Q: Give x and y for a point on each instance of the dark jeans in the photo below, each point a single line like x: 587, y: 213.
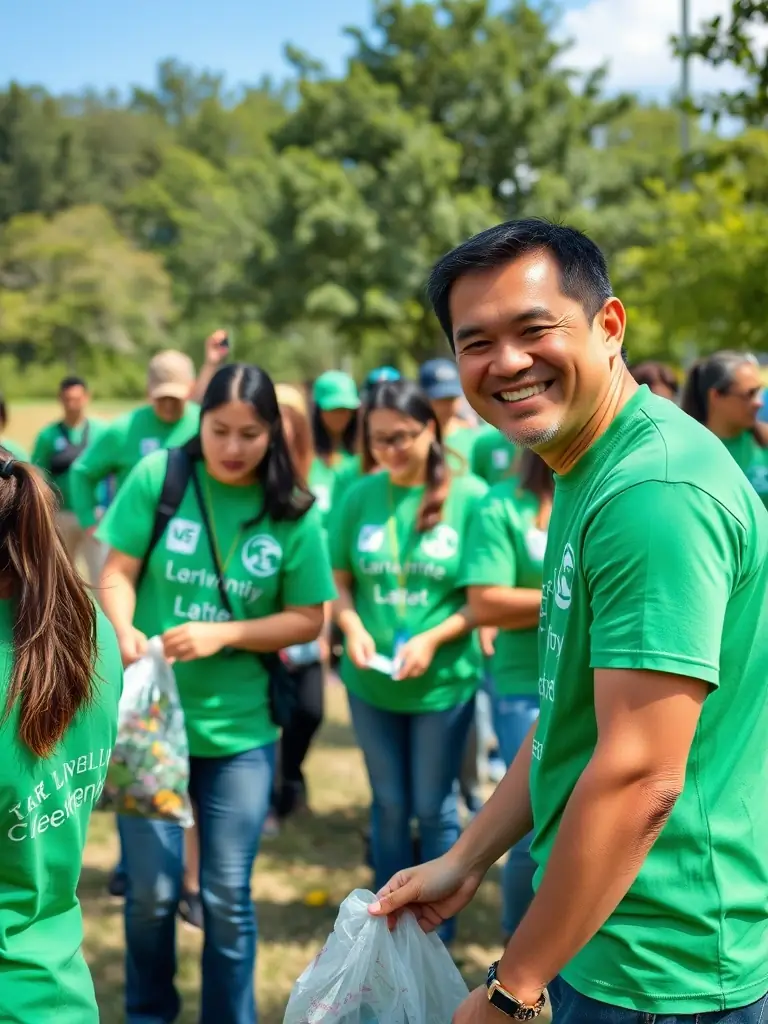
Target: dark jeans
x: 413, y: 763
x: 512, y: 718
x: 569, y: 1007
x: 231, y: 796
x: 290, y: 785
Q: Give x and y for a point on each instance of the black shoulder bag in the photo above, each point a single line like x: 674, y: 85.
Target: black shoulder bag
x: 282, y: 686
x: 61, y: 461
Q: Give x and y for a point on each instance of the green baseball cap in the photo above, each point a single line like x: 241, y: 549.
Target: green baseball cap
x: 335, y: 390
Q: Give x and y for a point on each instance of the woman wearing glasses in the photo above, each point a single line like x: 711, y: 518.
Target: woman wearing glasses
x: 725, y: 393
x: 411, y: 661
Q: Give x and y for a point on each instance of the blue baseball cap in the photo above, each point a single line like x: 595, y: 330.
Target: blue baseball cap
x: 439, y: 378
x: 381, y: 373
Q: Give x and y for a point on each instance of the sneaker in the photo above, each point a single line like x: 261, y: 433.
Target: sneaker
x: 191, y: 909
x: 117, y: 884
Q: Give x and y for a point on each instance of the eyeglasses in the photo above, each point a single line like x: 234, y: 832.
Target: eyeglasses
x: 399, y: 442
x: 747, y: 396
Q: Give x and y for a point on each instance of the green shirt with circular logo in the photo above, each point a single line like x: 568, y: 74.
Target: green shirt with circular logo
x: 494, y: 456
x: 266, y: 566
x: 123, y: 443
x: 45, y: 807
x: 405, y: 583
x: 505, y: 548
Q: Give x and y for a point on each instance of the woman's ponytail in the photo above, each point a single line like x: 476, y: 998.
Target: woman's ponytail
x: 694, y: 400
x: 54, y: 632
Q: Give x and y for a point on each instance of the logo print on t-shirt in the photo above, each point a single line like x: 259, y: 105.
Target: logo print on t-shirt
x: 441, y: 542
x: 500, y: 458
x: 148, y: 445
x: 183, y: 535
x: 758, y: 477
x: 262, y: 555
x: 370, y: 539
x: 536, y: 544
x: 60, y: 444
x: 564, y: 578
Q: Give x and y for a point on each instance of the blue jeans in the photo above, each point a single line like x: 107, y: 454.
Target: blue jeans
x: 569, y: 1007
x: 231, y: 796
x: 413, y: 762
x: 513, y: 717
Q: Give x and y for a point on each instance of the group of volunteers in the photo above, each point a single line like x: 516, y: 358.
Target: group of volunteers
x: 591, y: 558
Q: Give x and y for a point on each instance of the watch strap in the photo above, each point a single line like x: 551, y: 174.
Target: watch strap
x: 509, y: 1004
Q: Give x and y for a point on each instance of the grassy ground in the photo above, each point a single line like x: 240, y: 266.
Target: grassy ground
x: 27, y: 418
x: 321, y: 850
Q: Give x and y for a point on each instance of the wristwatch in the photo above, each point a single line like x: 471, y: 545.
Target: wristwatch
x: 503, y: 1000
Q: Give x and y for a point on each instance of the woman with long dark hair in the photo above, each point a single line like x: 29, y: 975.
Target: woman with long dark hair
x: 239, y: 571
x: 725, y: 392
x: 411, y: 662
x: 503, y: 574
x: 61, y: 678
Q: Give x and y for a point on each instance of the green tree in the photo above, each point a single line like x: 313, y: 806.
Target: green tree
x: 73, y: 287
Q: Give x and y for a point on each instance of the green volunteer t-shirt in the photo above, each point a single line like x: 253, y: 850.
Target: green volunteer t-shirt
x: 123, y: 443
x: 657, y: 560
x: 19, y: 453
x: 459, y: 445
x: 52, y: 439
x: 752, y: 459
x: 266, y: 566
x: 494, y: 456
x: 505, y: 548
x: 372, y: 537
x: 45, y: 807
x: 328, y: 481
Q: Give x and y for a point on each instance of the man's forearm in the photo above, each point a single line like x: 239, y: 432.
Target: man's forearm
x: 608, y: 826
x: 504, y: 820
x: 455, y: 626
x: 506, y: 607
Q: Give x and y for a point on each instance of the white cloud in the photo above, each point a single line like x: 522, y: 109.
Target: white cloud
x: 633, y: 36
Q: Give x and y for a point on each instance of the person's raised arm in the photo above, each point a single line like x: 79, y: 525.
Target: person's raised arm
x: 216, y: 354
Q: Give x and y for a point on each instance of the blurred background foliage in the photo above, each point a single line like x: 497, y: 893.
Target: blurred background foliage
x: 305, y: 216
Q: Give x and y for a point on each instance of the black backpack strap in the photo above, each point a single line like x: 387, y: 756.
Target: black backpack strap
x: 177, y: 475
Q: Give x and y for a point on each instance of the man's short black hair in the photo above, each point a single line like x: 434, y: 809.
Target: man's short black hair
x: 583, y: 270
x: 72, y: 382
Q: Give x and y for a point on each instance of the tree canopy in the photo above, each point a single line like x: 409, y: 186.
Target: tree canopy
x: 305, y: 217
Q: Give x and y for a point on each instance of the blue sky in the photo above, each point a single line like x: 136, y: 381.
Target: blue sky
x: 68, y: 44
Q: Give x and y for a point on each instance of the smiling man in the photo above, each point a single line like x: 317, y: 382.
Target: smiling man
x: 644, y: 778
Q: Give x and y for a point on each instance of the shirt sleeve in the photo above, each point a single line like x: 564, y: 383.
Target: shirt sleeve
x: 88, y: 470
x: 128, y: 522
x: 661, y: 561
x: 307, y: 578
x: 489, y: 558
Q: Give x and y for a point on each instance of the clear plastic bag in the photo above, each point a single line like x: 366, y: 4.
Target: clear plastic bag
x: 148, y: 774
x: 366, y: 974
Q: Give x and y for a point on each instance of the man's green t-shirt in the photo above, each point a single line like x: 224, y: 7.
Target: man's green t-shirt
x: 19, y: 453
x: 52, y: 439
x: 494, y: 456
x: 459, y: 446
x: 505, y: 548
x: 123, y: 443
x: 407, y: 583
x: 657, y: 560
x: 266, y: 566
x: 45, y: 807
x: 752, y: 459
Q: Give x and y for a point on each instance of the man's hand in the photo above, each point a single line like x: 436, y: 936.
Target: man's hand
x: 433, y: 892
x: 215, y: 352
x: 193, y: 640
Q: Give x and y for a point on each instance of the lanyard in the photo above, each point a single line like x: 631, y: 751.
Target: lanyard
x: 223, y: 562
x: 399, y: 554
